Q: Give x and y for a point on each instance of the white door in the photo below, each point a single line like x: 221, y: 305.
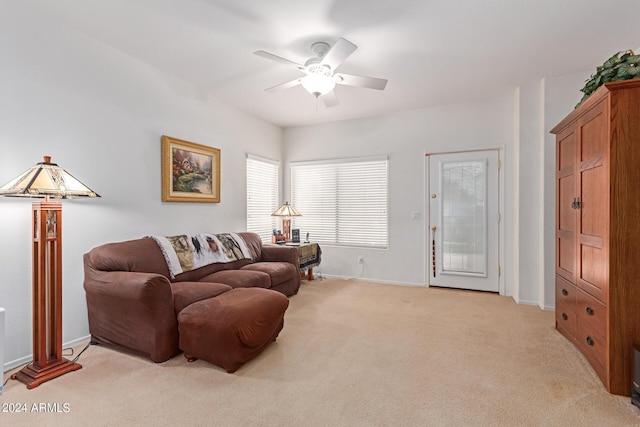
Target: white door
x: 463, y: 220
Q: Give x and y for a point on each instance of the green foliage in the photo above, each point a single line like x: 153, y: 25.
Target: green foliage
x: 621, y: 66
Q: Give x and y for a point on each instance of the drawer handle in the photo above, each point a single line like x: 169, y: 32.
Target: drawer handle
x: 565, y: 292
x: 564, y: 316
x: 590, y: 341
x: 589, y: 311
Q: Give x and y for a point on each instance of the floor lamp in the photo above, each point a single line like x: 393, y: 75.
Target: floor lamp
x: 286, y: 211
x: 46, y: 180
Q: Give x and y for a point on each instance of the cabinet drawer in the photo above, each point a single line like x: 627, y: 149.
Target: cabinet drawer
x: 566, y: 293
x: 566, y: 320
x: 592, y: 313
x: 593, y: 346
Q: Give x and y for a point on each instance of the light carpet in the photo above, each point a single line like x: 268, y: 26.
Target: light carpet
x: 352, y: 354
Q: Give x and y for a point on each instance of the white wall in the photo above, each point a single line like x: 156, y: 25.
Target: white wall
x: 405, y: 138
x: 100, y: 115
x: 519, y: 121
x: 527, y: 182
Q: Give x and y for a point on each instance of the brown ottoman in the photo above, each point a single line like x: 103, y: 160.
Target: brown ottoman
x: 232, y: 328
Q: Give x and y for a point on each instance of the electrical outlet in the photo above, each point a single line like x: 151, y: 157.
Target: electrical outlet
x: 360, y: 260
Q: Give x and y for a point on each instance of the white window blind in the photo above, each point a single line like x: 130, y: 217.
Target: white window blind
x: 262, y: 195
x: 342, y: 202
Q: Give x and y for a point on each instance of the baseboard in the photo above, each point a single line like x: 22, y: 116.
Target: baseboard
x: 366, y: 279
x: 531, y: 302
x: 27, y: 359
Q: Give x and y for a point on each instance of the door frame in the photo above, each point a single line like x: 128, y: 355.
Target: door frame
x: 427, y: 219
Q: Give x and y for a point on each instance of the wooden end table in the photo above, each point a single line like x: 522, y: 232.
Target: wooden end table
x: 308, y: 258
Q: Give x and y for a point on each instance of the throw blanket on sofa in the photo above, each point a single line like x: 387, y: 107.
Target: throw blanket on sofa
x: 191, y: 251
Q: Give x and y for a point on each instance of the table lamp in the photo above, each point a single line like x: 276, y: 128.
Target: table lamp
x: 286, y: 211
x: 46, y: 180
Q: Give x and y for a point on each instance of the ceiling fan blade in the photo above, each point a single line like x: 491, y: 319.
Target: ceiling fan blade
x: 360, y: 81
x: 284, y: 86
x: 338, y: 53
x: 330, y: 99
x: 279, y: 59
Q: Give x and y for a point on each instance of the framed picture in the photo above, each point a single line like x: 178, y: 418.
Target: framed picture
x: 190, y: 172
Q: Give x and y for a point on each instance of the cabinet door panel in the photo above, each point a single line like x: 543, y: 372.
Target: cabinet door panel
x: 593, y: 269
x: 566, y: 256
x: 566, y: 215
x: 593, y: 137
x: 566, y: 196
x: 566, y: 151
x: 593, y: 187
x: 593, y: 214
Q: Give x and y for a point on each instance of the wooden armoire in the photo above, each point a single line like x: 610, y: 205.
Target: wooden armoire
x: 598, y: 230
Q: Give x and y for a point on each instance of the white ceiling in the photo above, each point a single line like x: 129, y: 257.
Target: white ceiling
x: 433, y: 52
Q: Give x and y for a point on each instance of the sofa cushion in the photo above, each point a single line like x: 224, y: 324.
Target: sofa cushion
x: 186, y: 293
x: 279, y: 272
x: 240, y: 278
x: 197, y: 274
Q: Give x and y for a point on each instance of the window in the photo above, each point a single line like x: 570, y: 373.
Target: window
x: 342, y: 202
x: 262, y: 195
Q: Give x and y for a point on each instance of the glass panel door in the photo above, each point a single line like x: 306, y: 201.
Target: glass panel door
x: 463, y: 220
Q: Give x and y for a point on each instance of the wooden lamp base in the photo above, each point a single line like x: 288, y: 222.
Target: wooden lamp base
x: 48, y: 362
x: 33, y: 375
x: 286, y: 229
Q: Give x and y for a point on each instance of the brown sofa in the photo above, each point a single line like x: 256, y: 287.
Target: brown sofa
x: 132, y: 301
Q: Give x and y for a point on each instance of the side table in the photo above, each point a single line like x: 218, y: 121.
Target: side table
x: 309, y: 256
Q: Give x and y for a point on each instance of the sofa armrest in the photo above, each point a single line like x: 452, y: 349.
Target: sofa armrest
x: 281, y: 254
x: 133, y: 310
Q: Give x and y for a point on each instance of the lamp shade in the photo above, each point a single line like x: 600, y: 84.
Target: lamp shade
x: 286, y: 210
x: 46, y: 179
x: 318, y: 84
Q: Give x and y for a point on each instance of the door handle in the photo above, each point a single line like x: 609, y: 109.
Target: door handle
x: 576, y: 203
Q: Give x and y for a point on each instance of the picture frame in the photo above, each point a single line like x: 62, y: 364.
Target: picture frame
x: 190, y: 171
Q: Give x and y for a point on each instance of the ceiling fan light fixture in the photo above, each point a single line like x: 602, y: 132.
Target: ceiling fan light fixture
x: 318, y: 84
x: 319, y: 80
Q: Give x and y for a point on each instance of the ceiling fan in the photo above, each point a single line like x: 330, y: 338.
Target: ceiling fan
x: 320, y: 71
